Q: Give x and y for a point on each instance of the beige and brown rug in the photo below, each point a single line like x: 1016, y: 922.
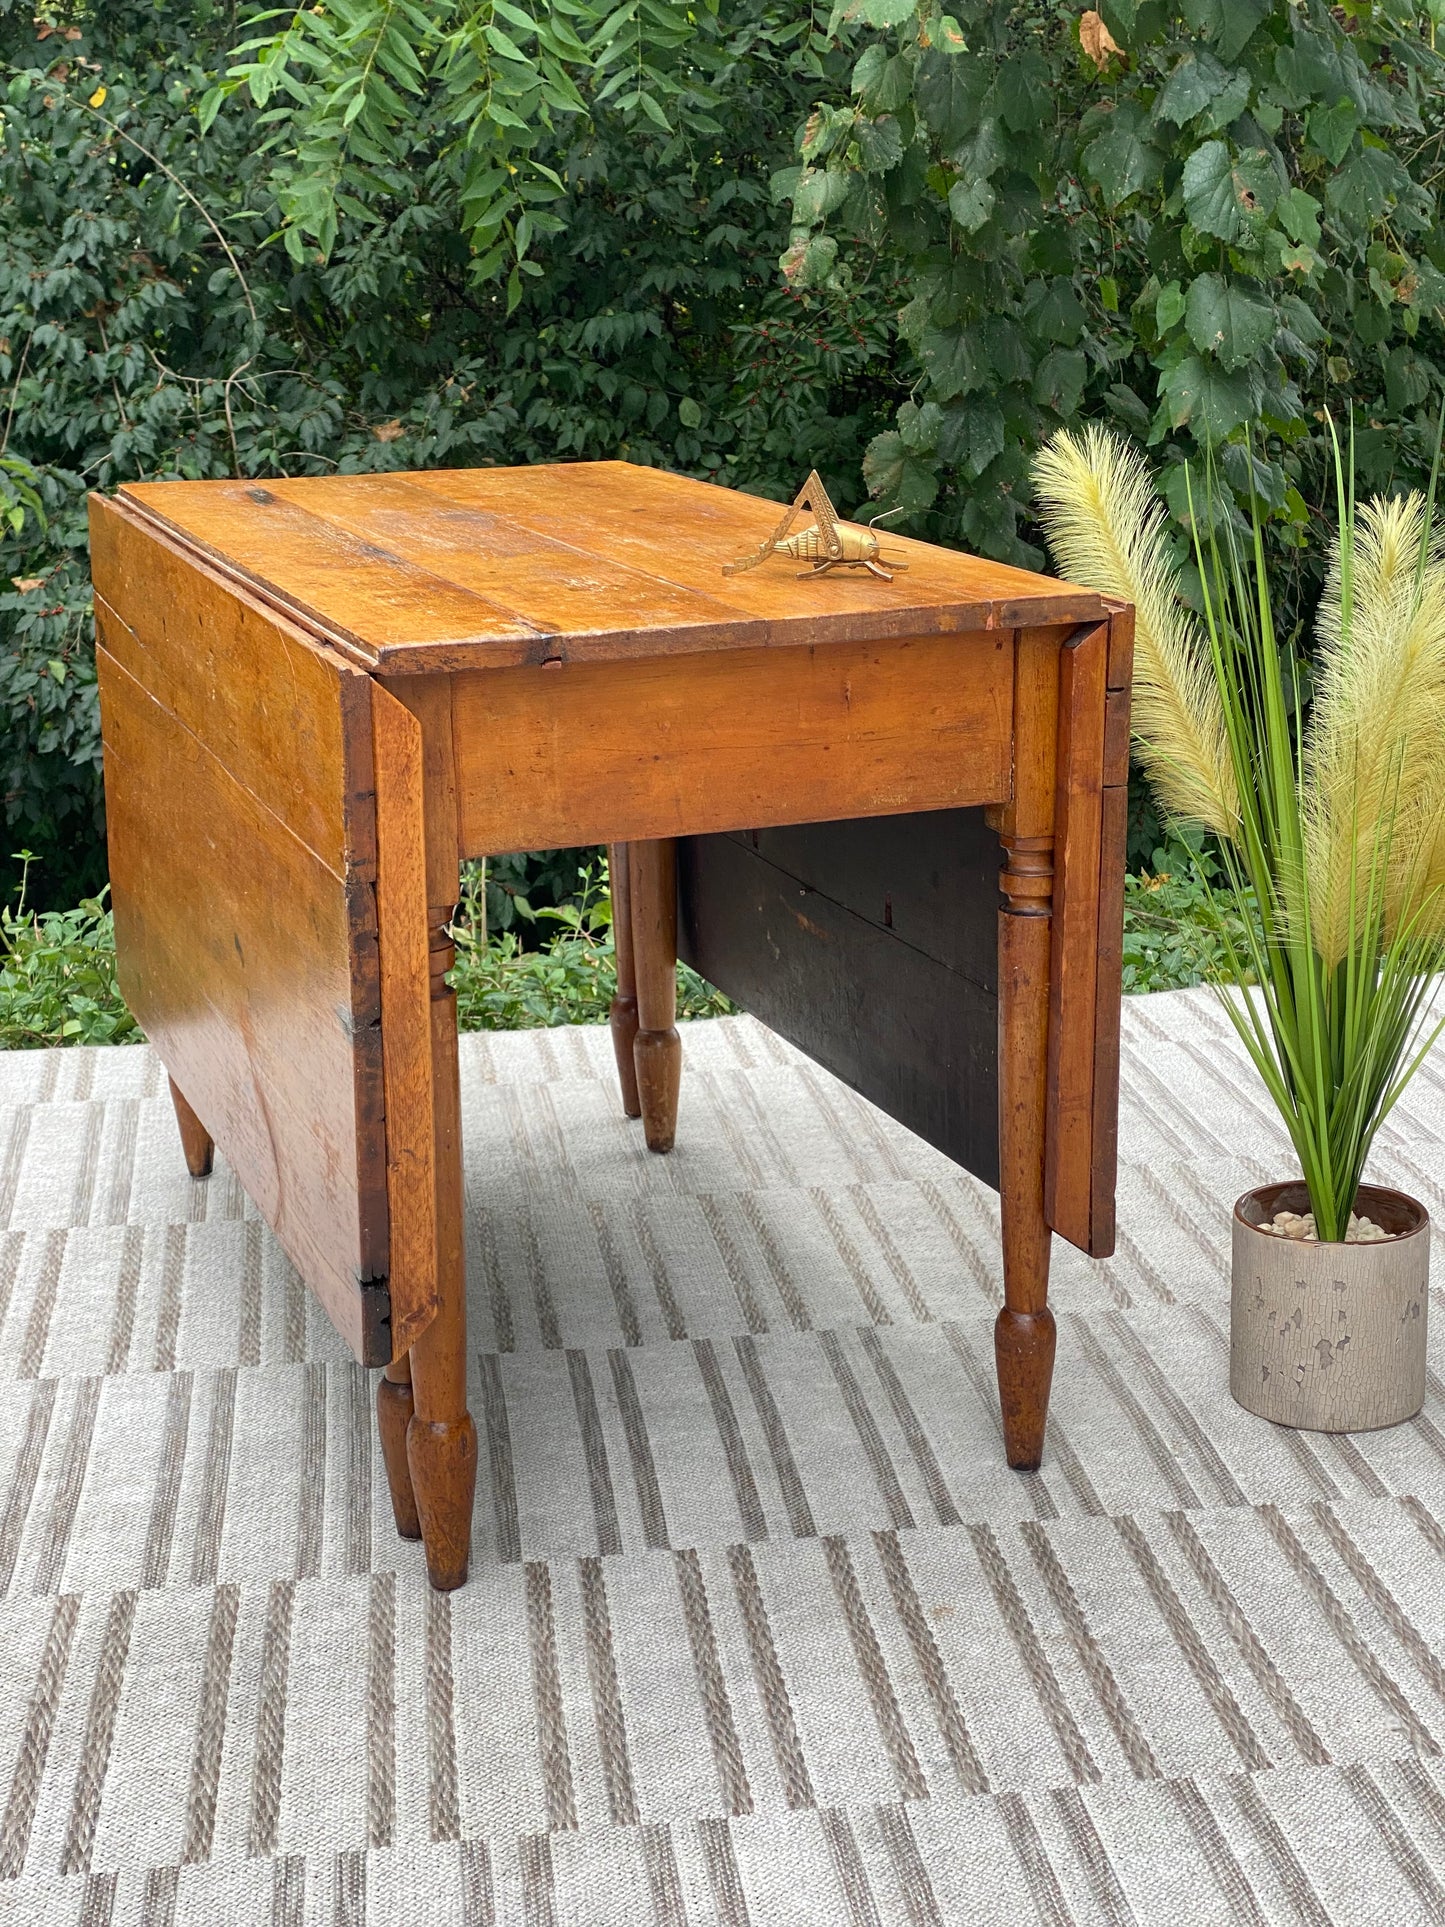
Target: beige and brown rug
x: 760, y: 1629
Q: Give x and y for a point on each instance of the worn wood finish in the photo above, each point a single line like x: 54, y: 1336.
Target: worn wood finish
x: 547, y: 758
x: 657, y: 1048
x: 319, y: 694
x: 269, y: 1026
x: 405, y: 932
x: 871, y: 945
x: 1024, y: 1335
x: 1113, y: 840
x: 394, y: 1409
x: 1073, y: 987
x: 622, y: 1013
x: 196, y: 1140
x: 1024, y: 1330
x: 594, y: 561
x: 290, y: 720
x: 441, y: 1439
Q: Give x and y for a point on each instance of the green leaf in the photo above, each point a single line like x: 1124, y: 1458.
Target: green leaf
x: 972, y: 437
x: 1120, y: 160
x: 1200, y: 84
x: 1298, y: 214
x: 819, y: 192
x: 1169, y: 308
x: 1246, y: 472
x: 883, y: 13
x: 981, y: 154
x: 1206, y: 399
x: 971, y: 203
x: 920, y: 427
x: 1333, y: 128
x: 653, y: 112
x: 809, y: 261
x: 1002, y: 344
x: 1226, y: 24
x: 1121, y: 401
x: 1055, y: 312
x: 1059, y: 383
x: 1022, y: 97
x: 688, y: 413
x: 880, y: 144
x: 506, y: 47
x: 900, y: 478
x: 948, y: 93
x: 1229, y: 198
x: 1366, y: 188
x: 950, y: 363
x: 882, y: 80
x: 783, y: 185
x: 1227, y: 323
x: 1310, y: 69
x: 825, y: 127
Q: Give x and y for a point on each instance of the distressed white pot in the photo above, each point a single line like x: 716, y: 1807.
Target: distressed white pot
x: 1329, y: 1337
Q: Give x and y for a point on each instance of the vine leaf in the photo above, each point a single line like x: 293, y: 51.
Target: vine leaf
x: 1229, y: 198
x: 1227, y: 323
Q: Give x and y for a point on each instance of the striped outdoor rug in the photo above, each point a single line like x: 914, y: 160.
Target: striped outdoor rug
x: 760, y: 1629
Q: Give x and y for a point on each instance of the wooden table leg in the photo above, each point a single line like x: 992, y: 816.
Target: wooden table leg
x: 657, y: 1048
x: 195, y: 1138
x: 623, y: 1013
x: 1024, y: 1334
x: 394, y: 1407
x: 441, y: 1440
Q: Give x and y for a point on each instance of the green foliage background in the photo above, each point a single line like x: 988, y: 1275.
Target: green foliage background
x: 737, y: 238
x: 155, y: 318
x: 1221, y: 216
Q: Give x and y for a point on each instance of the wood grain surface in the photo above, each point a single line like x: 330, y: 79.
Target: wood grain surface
x: 294, y: 722
x: 251, y: 966
x: 404, y: 933
x: 590, y: 561
x: 626, y: 751
x: 241, y: 820
x: 1109, y: 988
x: 1073, y: 975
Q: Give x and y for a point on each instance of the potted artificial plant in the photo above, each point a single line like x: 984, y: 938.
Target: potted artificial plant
x: 1331, y: 834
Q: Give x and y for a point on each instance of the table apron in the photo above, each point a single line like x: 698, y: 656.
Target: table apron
x: 553, y: 756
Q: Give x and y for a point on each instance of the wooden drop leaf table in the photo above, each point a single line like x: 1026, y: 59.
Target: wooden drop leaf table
x: 319, y: 696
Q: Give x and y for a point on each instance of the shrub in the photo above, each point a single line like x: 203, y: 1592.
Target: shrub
x: 152, y: 325
x: 57, y: 976
x: 1188, y: 216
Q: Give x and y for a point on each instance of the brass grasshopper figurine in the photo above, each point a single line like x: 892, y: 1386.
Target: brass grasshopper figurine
x: 827, y: 543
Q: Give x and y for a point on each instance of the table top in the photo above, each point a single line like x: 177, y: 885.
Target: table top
x: 484, y: 568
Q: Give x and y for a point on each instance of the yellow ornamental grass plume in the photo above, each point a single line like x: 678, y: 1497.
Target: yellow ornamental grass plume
x: 1373, y: 790
x: 1105, y: 522
x: 1331, y: 847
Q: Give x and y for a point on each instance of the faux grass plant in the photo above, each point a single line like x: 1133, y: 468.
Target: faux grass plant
x: 1332, y: 833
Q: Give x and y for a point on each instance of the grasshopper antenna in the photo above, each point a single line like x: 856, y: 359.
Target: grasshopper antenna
x: 893, y: 561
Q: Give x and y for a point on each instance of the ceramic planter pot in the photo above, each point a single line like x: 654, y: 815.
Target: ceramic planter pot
x: 1329, y: 1337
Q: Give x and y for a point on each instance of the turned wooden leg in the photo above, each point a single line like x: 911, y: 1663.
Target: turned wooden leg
x: 195, y: 1138
x: 657, y: 1048
x: 623, y: 1014
x: 1024, y: 1334
x: 441, y: 1440
x: 393, y: 1416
